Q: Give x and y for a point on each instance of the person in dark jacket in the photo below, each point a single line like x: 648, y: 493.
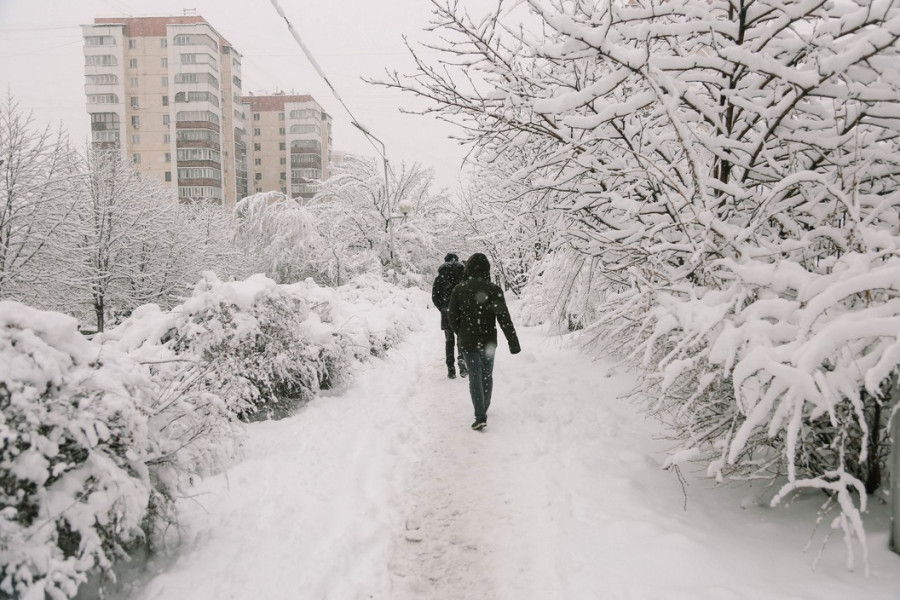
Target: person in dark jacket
x: 449, y: 275
x: 476, y: 306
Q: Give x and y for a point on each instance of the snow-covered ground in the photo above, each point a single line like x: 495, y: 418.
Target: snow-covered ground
x: 382, y: 491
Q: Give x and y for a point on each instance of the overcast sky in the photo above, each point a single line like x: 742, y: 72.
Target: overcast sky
x: 43, y: 65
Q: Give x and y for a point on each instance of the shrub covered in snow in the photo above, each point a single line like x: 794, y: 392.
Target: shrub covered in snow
x: 98, y: 436
x: 74, y: 487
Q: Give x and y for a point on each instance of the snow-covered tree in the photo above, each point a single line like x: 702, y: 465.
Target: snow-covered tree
x: 37, y: 173
x: 278, y: 232
x: 361, y: 225
x: 725, y: 178
x: 119, y: 250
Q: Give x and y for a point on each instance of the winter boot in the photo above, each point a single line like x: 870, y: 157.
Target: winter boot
x: 463, y: 371
x: 451, y: 373
x: 479, y: 425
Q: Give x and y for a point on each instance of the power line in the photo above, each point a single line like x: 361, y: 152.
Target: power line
x: 318, y: 68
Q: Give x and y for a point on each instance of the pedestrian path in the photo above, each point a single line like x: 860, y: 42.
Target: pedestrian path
x: 383, y: 491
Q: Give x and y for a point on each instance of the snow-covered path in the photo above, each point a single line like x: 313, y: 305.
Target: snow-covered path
x: 383, y: 491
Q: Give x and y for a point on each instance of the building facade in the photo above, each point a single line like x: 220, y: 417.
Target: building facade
x: 288, y: 144
x: 167, y: 92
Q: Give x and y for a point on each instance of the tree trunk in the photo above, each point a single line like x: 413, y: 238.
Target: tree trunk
x: 895, y: 471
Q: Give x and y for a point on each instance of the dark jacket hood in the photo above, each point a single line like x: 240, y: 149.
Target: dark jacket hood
x: 478, y: 265
x: 450, y: 267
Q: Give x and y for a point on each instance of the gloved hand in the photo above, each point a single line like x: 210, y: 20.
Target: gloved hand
x: 514, y: 348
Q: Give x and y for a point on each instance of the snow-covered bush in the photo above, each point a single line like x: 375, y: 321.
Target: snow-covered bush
x: 74, y: 488
x: 262, y: 348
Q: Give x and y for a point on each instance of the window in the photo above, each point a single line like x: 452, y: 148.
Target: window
x: 135, y: 102
x: 163, y: 43
x: 257, y: 147
x: 165, y: 81
x: 103, y: 99
x: 281, y: 146
x: 132, y: 63
x: 197, y: 97
x: 282, y: 176
x: 197, y: 115
x: 168, y: 175
x: 136, y: 159
x: 165, y: 119
x: 257, y: 176
x: 168, y: 157
x: 256, y: 131
x: 197, y: 78
x: 105, y: 137
x: 306, y: 129
x: 281, y: 132
x: 104, y: 121
x: 198, y: 154
x: 99, y: 40
x: 306, y: 173
x: 199, y: 191
x: 257, y: 162
x: 306, y: 113
x: 199, y: 173
x: 282, y: 160
x: 165, y: 100
x: 198, y: 59
x: 101, y: 60
x: 256, y: 116
x: 281, y: 116
x: 132, y: 43
x: 133, y: 81
x: 305, y: 188
x: 198, y: 135
x: 164, y: 62
x: 135, y: 139
x: 135, y: 121
x: 167, y: 139
x: 103, y: 79
x: 196, y: 40
x: 307, y: 145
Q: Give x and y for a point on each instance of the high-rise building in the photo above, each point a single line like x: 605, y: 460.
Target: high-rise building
x: 167, y: 91
x: 288, y: 144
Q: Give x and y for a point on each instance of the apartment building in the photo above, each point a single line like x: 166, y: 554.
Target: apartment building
x: 167, y: 91
x: 288, y: 144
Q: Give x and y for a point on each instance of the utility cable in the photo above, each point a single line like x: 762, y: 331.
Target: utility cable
x: 321, y: 73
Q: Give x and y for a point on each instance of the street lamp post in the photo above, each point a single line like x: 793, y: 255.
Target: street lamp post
x: 387, y: 201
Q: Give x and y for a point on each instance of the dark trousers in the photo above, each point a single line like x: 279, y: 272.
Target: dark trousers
x: 450, y: 350
x: 481, y: 381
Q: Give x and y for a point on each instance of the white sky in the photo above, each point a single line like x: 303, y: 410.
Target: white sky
x: 43, y: 65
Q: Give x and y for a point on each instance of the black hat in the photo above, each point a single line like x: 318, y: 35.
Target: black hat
x: 451, y: 257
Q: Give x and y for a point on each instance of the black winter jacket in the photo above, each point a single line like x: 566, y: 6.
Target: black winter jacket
x: 449, y: 274
x: 476, y: 306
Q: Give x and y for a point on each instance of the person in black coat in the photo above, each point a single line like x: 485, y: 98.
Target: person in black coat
x: 449, y: 275
x: 476, y: 307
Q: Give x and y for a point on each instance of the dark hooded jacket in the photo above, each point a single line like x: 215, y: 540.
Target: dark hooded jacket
x: 449, y: 274
x: 476, y: 306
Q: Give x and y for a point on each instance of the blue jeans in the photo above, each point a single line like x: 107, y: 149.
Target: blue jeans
x: 481, y: 380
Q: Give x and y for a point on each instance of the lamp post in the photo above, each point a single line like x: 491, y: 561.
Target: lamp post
x: 387, y: 201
